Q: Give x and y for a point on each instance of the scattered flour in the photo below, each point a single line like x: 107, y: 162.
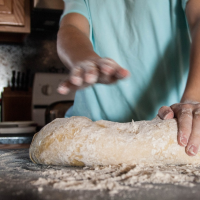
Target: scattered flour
x: 15, y: 168
x: 121, y: 177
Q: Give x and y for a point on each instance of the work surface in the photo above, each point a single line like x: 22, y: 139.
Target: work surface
x: 18, y: 173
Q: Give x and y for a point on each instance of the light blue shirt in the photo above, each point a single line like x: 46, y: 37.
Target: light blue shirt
x: 149, y: 38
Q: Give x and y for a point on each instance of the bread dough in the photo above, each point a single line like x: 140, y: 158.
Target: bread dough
x: 78, y: 141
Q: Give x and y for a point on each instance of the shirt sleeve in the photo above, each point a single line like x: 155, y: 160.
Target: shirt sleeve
x: 75, y: 6
x: 184, y: 3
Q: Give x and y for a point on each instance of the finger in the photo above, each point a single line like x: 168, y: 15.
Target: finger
x: 107, y: 66
x: 194, y: 140
x: 76, y: 76
x: 166, y: 112
x: 106, y: 79
x: 91, y: 72
x: 65, y: 87
x: 184, y: 120
x: 110, y: 67
x: 122, y: 73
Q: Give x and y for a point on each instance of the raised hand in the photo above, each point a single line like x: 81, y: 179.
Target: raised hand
x: 89, y: 72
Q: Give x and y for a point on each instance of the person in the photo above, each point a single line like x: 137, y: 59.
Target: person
x: 128, y: 58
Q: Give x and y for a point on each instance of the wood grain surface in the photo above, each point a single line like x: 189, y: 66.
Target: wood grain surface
x: 14, y: 146
x: 5, y: 6
x: 2, y: 2
x: 19, y: 20
x: 15, y: 14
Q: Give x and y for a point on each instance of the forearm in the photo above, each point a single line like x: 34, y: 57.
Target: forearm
x: 74, y: 46
x: 76, y: 52
x: 192, y: 91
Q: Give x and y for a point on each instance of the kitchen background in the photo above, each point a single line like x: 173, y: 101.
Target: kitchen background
x: 28, y: 34
x: 37, y: 52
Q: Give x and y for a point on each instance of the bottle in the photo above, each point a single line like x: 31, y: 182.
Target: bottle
x: 13, y: 80
x: 18, y: 81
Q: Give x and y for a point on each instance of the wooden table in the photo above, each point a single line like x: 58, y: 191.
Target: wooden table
x: 14, y: 146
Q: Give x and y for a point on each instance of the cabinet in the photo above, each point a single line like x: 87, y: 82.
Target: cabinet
x: 14, y: 20
x: 16, y: 105
x: 49, y: 4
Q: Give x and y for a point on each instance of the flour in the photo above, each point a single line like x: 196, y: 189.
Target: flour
x: 121, y: 177
x: 15, y: 168
x: 148, y: 149
x: 78, y: 141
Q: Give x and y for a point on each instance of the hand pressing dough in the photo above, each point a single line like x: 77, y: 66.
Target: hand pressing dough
x: 77, y: 141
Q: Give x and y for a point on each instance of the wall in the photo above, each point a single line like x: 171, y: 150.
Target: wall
x: 37, y: 54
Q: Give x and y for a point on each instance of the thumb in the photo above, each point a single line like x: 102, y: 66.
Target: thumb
x: 166, y: 112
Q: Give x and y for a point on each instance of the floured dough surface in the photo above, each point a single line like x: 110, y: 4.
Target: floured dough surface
x: 115, y: 178
x: 77, y: 141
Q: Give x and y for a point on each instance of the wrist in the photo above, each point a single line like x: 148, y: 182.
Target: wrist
x: 189, y: 100
x: 89, y: 58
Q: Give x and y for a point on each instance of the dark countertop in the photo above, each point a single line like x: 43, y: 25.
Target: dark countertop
x: 17, y: 172
x: 24, y: 138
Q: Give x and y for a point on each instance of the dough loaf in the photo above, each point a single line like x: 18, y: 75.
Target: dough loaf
x: 77, y: 141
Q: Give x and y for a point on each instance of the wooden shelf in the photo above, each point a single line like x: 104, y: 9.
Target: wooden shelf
x: 14, y: 20
x: 6, y: 7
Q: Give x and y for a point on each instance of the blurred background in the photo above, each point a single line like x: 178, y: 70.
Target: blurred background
x: 33, y: 49
x: 30, y: 69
